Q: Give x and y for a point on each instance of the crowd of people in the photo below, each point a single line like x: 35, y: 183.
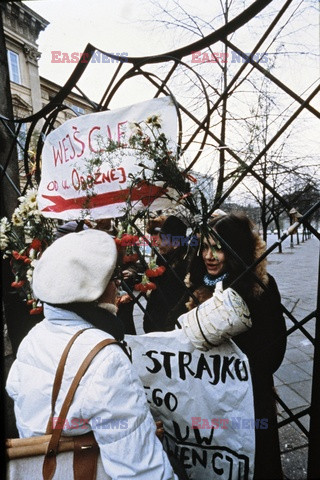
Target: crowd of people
x: 77, y: 278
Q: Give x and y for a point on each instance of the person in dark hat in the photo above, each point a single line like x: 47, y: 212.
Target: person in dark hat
x: 170, y: 241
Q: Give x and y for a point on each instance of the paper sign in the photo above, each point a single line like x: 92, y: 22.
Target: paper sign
x: 63, y: 191
x: 205, y: 401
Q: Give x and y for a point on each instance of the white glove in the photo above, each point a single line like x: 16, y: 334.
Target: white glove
x: 223, y: 316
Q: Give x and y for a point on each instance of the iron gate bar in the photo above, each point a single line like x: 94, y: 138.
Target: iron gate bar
x: 297, y: 324
x: 306, y: 319
x: 5, y: 174
x: 275, y: 80
x: 288, y: 420
x: 265, y: 149
x: 242, y: 68
x: 291, y: 415
x: 314, y: 437
x: 136, y: 299
x: 167, y: 78
x: 92, y: 103
x: 5, y: 122
x: 110, y: 85
x: 262, y: 257
x: 149, y: 76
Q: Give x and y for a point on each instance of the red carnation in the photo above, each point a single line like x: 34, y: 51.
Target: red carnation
x: 133, y: 257
x: 36, y: 311
x: 36, y: 244
x: 145, y: 285
x: 18, y: 284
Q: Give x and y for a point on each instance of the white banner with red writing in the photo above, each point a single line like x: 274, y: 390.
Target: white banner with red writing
x: 68, y: 164
x: 205, y: 401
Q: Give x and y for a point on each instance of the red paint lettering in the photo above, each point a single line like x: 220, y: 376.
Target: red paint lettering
x: 71, y: 144
x: 121, y: 133
x: 106, y: 177
x: 109, y: 132
x: 124, y: 178
x: 97, y: 175
x: 90, y: 181
x: 89, y: 137
x: 57, y: 154
x: 79, y: 141
x: 65, y: 149
x: 113, y: 175
x: 52, y: 186
x: 75, y: 180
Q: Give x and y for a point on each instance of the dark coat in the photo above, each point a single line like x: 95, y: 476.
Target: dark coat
x: 161, y: 311
x: 265, y: 345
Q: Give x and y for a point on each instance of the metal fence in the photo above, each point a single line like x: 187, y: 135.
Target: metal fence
x: 160, y: 72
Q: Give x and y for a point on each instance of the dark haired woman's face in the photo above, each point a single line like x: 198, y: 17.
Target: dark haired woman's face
x: 213, y: 257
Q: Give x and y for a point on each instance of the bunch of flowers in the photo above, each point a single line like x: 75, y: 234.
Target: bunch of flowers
x: 160, y: 166
x: 23, y: 239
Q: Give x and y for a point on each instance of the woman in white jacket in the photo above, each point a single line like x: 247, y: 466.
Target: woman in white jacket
x: 74, y: 279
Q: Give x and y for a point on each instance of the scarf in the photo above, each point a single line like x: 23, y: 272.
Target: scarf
x: 211, y: 281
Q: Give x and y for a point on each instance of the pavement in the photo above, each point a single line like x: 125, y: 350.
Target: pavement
x: 296, y: 273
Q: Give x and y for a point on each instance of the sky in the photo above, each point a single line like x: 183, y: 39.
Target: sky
x: 112, y: 26
x: 117, y: 27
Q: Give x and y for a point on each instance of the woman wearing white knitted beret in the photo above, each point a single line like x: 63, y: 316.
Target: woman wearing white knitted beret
x: 75, y: 280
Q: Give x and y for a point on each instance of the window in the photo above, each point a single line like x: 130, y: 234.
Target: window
x: 14, y: 68
x: 21, y: 140
x: 77, y: 110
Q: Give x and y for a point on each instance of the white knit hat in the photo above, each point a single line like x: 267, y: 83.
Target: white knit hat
x: 75, y: 268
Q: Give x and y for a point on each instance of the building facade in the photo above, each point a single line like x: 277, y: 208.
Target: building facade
x: 29, y: 91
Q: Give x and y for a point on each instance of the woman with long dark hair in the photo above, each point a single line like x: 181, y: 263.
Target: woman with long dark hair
x: 230, y: 246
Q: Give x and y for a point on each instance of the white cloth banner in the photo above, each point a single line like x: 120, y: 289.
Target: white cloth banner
x: 68, y: 168
x: 205, y: 401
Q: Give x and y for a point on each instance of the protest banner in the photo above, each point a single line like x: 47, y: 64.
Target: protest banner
x: 69, y: 171
x: 205, y: 401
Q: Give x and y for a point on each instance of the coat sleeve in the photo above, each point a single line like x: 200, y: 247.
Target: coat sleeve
x: 116, y: 408
x: 265, y: 343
